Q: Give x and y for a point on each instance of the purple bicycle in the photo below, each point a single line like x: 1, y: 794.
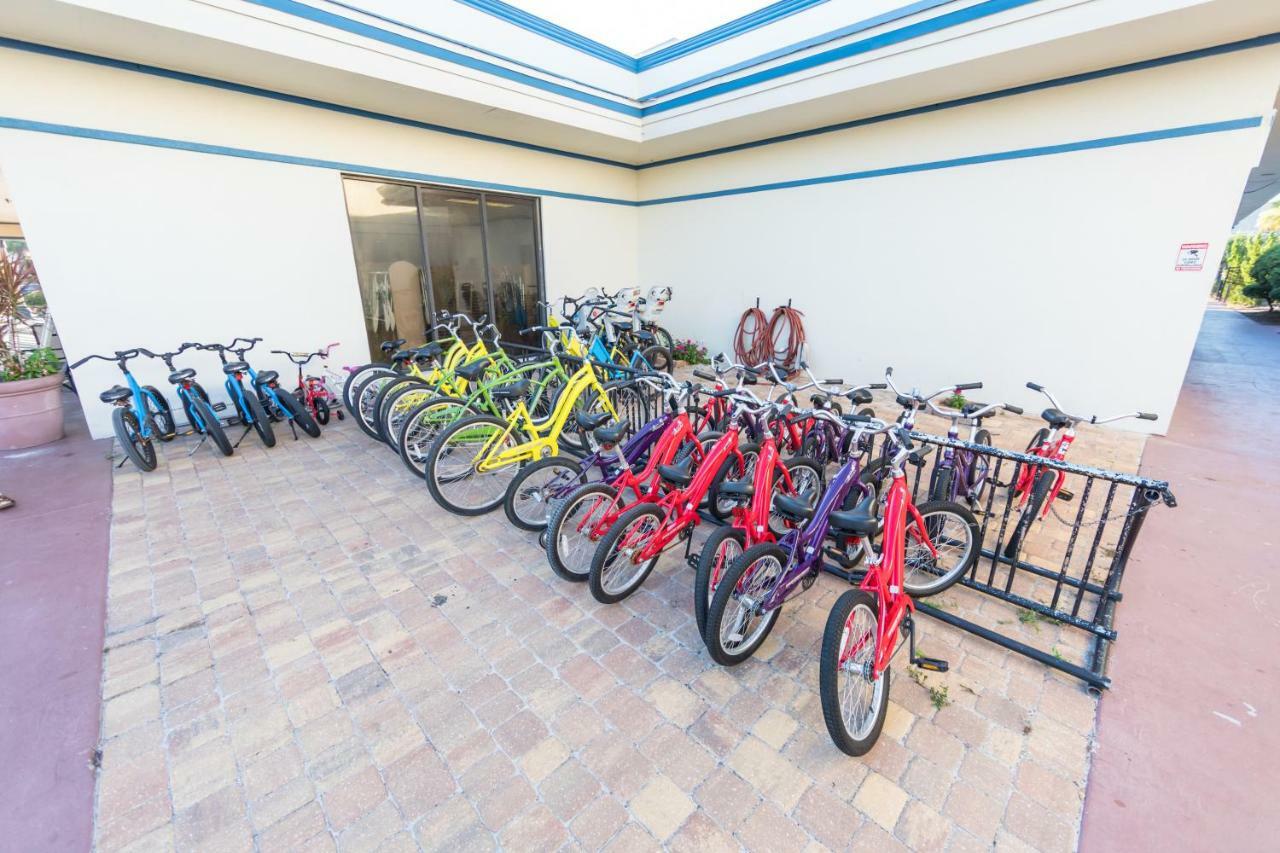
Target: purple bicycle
x: 756, y: 585
x: 961, y: 474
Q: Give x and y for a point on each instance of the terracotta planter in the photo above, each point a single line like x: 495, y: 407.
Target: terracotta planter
x: 30, y: 412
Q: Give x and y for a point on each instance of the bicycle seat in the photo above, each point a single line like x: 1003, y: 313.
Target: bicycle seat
x: 1056, y: 418
x: 861, y: 396
x: 588, y: 421
x: 114, y: 393
x: 391, y: 346
x: 680, y: 474
x: 646, y: 337
x: 737, y: 490
x: 858, y: 521
x: 511, y: 391
x: 611, y: 434
x: 970, y: 408
x: 401, y: 357
x: 473, y: 371
x: 180, y: 376
x: 266, y: 377
x: 235, y: 367
x: 431, y: 350
x: 793, y: 508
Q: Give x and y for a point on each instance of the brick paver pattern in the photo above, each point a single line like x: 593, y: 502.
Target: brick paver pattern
x: 304, y: 652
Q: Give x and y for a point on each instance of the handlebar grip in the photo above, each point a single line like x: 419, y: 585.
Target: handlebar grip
x: 833, y: 382
x: 888, y: 371
x: 857, y: 419
x: 904, y: 438
x: 1034, y: 387
x: 702, y: 374
x: 1017, y: 410
x: 750, y: 370
x: 878, y: 386
x: 969, y: 386
x: 1147, y: 416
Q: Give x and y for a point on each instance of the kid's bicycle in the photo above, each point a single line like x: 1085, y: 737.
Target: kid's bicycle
x: 863, y: 629
x: 248, y: 406
x: 1036, y: 487
x: 140, y: 413
x: 200, y: 413
x: 960, y: 474
x: 278, y: 403
x: 313, y: 391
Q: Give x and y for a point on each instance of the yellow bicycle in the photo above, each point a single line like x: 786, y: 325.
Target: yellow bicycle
x: 471, y: 461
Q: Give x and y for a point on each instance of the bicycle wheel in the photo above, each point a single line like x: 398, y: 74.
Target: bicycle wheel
x: 571, y: 537
x: 451, y: 472
x: 806, y: 476
x: 299, y: 414
x: 1039, y: 493
x: 735, y: 625
x: 659, y: 358
x: 421, y: 427
x: 258, y: 420
x: 979, y: 468
x: 157, y: 405
x: 661, y: 336
x: 537, y: 487
x: 186, y: 404
x: 731, y: 470
x: 853, y: 700
x: 141, y: 451
x: 385, y: 394
x: 953, y: 532
x: 397, y: 408
x: 722, y: 547
x: 212, y: 427
x: 366, y: 397
x: 322, y: 412
x: 940, y: 484
x: 615, y: 573
x: 358, y: 377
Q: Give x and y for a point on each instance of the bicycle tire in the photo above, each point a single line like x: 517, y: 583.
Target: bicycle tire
x: 1039, y: 491
x: 717, y: 554
x: 940, y: 484
x: 434, y: 473
x: 557, y: 541
x: 397, y: 407
x: 321, y: 412
x: 357, y: 377
x: 714, y: 634
x: 829, y: 669
x: 948, y: 578
x: 659, y: 358
x: 364, y: 397
x: 141, y: 451
x: 423, y: 425
x: 382, y: 400
x: 602, y: 590
x: 213, y: 427
x: 258, y: 418
x: 166, y: 426
x: 722, y: 509
x: 529, y: 507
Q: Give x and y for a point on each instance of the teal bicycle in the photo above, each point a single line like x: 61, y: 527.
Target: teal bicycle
x: 140, y: 413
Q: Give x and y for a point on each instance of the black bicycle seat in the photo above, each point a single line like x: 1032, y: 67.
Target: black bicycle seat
x: 391, y: 346
x: 611, y: 434
x: 1056, y: 418
x: 431, y: 350
x: 114, y: 393
x: 180, y: 376
x: 235, y: 367
x: 737, y: 490
x: 680, y: 474
x: 512, y: 390
x: 859, y: 520
x: 266, y: 377
x: 588, y: 421
x: 473, y: 371
x: 401, y: 357
x: 793, y: 508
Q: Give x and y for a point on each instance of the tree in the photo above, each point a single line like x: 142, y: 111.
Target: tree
x: 1269, y: 219
x: 1265, y: 273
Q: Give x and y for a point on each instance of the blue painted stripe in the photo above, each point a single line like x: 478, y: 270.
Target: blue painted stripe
x: 956, y: 162
x: 413, y: 28
x: 250, y: 154
x: 911, y: 31
x: 554, y: 32
x: 834, y: 35
x: 225, y: 85
x: 732, y: 29
x: 1072, y: 79
x: 300, y: 10
x: 423, y: 177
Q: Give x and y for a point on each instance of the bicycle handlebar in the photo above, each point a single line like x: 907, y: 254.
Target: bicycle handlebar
x: 1092, y: 419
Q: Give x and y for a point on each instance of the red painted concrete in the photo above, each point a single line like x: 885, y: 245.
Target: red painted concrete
x: 53, y: 582
x: 1189, y: 749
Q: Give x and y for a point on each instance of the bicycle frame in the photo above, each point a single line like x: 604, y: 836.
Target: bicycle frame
x: 138, y: 402
x: 1054, y: 447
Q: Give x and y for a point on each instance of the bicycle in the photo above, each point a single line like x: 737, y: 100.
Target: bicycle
x: 200, y: 413
x: 470, y: 462
x: 278, y: 404
x: 1036, y: 487
x: 139, y: 414
x: 861, y: 634
x: 578, y: 522
x: 627, y: 554
x: 961, y: 474
x: 248, y: 406
x: 357, y: 376
x: 313, y: 391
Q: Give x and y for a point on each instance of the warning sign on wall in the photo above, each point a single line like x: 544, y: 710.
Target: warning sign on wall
x: 1191, y: 257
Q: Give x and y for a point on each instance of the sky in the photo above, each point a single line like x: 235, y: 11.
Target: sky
x: 637, y: 27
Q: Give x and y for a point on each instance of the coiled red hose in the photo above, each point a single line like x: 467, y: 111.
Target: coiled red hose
x: 751, y: 340
x: 786, y: 336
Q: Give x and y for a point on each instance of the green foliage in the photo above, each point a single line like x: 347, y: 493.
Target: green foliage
x: 36, y: 364
x: 955, y: 401
x: 691, y: 351
x: 1265, y: 272
x: 1236, y: 273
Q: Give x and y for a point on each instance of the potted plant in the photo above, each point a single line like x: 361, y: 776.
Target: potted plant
x: 31, y: 381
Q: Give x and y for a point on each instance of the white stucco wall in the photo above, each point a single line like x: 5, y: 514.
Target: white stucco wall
x: 1057, y: 269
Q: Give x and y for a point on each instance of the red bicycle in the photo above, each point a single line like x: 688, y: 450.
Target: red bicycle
x: 861, y: 635
x: 628, y: 552
x: 313, y: 391
x: 1036, y: 487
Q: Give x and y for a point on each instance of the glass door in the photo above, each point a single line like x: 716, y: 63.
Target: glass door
x: 453, y: 225
x: 511, y: 231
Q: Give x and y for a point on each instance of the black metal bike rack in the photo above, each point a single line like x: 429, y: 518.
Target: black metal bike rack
x: 1082, y: 592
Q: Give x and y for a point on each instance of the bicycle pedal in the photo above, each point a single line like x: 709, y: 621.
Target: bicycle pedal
x: 839, y: 557
x: 1064, y: 494
x: 219, y: 407
x: 930, y: 664
x: 692, y: 560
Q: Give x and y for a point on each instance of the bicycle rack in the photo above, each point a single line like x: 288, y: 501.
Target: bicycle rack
x: 1083, y: 591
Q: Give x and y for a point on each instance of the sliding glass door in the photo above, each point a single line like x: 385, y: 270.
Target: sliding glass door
x: 481, y: 257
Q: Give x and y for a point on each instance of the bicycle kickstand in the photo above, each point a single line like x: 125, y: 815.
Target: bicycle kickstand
x: 199, y: 444
x: 247, y: 428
